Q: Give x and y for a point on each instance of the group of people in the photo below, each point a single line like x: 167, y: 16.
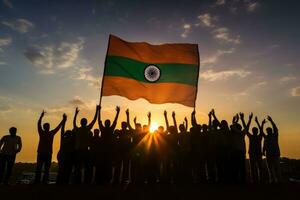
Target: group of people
x: 205, y: 153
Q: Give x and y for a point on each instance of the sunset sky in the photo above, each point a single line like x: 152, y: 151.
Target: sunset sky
x: 52, y: 57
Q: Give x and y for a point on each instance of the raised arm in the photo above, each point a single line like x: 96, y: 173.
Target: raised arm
x: 149, y: 119
x: 209, y: 121
x: 40, y: 129
x: 193, y: 119
x: 214, y: 116
x: 275, y: 129
x: 62, y: 130
x: 99, y: 119
x: 128, y: 120
x: 246, y: 126
x: 166, y: 120
x: 54, y: 131
x: 90, y: 126
x: 113, y: 126
x: 261, y: 126
x: 75, y: 118
x: 174, y: 121
x: 186, y: 124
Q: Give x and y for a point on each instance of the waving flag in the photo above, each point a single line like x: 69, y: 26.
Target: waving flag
x: 166, y: 73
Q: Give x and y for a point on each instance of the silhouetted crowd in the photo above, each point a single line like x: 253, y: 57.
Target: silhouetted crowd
x: 205, y: 153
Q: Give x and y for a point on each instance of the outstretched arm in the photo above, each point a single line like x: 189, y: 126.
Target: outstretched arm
x: 62, y: 130
x: 186, y: 124
x: 214, y: 115
x: 209, y: 121
x: 174, y: 121
x: 166, y: 120
x: 113, y: 126
x: 260, y: 126
x: 40, y: 129
x: 193, y: 119
x: 75, y: 118
x: 275, y: 129
x: 54, y: 131
x: 128, y: 120
x: 149, y: 119
x: 90, y: 126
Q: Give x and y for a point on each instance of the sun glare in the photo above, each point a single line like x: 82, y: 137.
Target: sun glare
x: 153, y: 127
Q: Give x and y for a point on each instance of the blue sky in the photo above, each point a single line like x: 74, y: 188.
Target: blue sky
x: 52, y: 55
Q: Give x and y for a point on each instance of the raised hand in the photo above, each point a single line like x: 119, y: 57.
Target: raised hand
x: 251, y: 116
x: 256, y: 119
x: 185, y: 119
x: 64, y: 116
x: 269, y: 118
x: 77, y: 110
x: 127, y: 111
x: 43, y: 113
x: 165, y: 113
x: 264, y: 121
x: 134, y: 120
x: 173, y: 114
x: 118, y: 109
x: 242, y: 115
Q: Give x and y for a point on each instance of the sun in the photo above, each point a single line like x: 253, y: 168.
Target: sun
x: 153, y: 127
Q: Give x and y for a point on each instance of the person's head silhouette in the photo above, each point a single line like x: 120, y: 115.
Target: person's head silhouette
x: 182, y: 128
x: 138, y: 127
x: 13, y: 131
x: 215, y: 124
x: 172, y: 130
x: 269, y: 131
x: 83, y: 122
x: 46, y: 127
x: 160, y: 129
x: 107, y: 123
x: 123, y: 125
x: 223, y: 124
x: 68, y: 133
x: 96, y: 132
x: 255, y: 131
x: 145, y: 128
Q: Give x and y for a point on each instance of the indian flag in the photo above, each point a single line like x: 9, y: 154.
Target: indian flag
x: 166, y: 73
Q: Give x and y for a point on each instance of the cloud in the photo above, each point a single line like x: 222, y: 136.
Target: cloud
x: 211, y: 75
x: 7, y: 3
x: 286, y: 79
x: 220, y: 2
x: 84, y: 73
x: 252, y: 6
x: 223, y: 35
x: 295, y: 92
x: 20, y: 25
x: 76, y: 101
x: 49, y: 58
x: 186, y: 30
x: 210, y: 60
x: 3, y: 63
x: 207, y: 20
x: 5, y: 41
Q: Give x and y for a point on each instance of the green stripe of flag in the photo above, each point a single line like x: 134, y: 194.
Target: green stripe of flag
x: 170, y: 72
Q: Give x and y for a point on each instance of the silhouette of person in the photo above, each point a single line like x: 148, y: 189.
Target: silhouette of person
x: 10, y: 145
x: 272, y: 152
x: 96, y: 150
x: 83, y: 139
x: 137, y: 152
x: 172, y: 140
x: 116, y: 157
x: 255, y: 151
x: 212, y: 146
x: 239, y: 147
x: 65, y: 156
x: 107, y: 137
x: 184, y: 173
x: 199, y: 146
x: 44, y: 151
x: 162, y: 154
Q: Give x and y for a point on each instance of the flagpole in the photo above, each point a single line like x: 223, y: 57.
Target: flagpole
x: 197, y: 77
x: 103, y: 74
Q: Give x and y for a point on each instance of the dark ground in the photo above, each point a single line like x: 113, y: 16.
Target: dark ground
x: 153, y: 192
